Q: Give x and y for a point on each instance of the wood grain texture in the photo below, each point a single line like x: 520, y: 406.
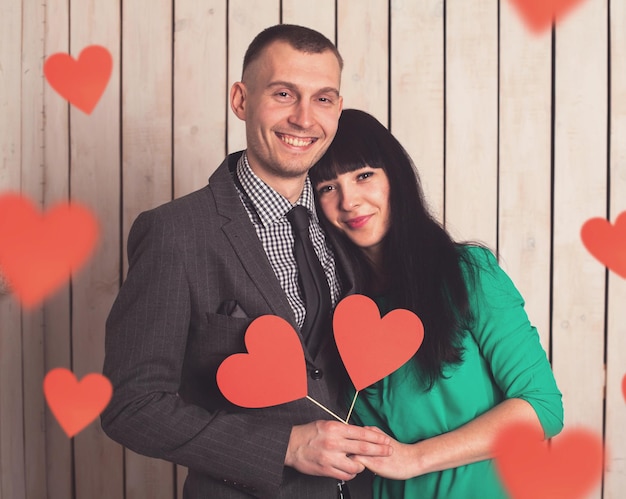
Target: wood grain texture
x: 57, y: 308
x: 200, y: 92
x: 524, y: 236
x: 472, y: 120
x: 363, y: 41
x: 615, y: 429
x: 12, y: 472
x: 580, y: 193
x: 33, y: 186
x: 146, y: 166
x: 319, y: 15
x: 246, y: 18
x: 95, y: 182
x: 417, y: 91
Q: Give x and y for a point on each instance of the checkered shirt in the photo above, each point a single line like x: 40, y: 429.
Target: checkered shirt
x: 267, y: 210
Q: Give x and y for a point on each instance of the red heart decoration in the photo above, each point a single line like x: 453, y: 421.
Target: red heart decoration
x: 39, y: 252
x: 540, y: 14
x: 75, y: 404
x: 274, y: 370
x: 82, y: 82
x: 370, y: 347
x: 529, y: 468
x: 607, y: 242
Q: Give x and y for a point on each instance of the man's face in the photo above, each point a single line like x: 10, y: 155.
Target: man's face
x: 291, y: 104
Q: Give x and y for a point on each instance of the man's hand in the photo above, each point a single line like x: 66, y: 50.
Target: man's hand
x: 323, y: 448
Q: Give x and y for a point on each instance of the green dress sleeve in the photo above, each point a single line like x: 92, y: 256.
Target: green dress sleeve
x: 508, y: 341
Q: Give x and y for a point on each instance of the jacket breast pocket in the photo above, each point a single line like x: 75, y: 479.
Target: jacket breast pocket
x: 209, y: 344
x: 225, y: 334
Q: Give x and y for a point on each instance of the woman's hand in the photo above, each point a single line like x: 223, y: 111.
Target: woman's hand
x: 467, y: 444
x: 402, y: 464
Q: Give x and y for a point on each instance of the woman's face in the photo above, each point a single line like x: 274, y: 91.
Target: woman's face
x: 357, y: 203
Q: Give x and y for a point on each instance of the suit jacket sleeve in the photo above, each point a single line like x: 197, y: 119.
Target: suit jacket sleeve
x: 146, y: 341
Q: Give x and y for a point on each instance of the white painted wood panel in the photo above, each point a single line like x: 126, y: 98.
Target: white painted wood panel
x: 525, y: 228
x: 580, y: 193
x: 472, y: 120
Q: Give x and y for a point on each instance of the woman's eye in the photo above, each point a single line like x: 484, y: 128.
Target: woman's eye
x: 324, y: 189
x: 364, y: 175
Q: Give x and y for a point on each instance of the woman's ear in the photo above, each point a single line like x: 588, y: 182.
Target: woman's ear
x: 238, y: 100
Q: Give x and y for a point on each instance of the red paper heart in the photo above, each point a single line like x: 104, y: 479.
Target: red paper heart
x: 82, y: 82
x: 274, y: 370
x: 607, y: 242
x: 370, y: 347
x: 39, y: 252
x: 540, y: 14
x: 75, y: 403
x: 568, y: 468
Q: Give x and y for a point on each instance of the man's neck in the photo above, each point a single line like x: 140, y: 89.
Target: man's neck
x: 288, y: 187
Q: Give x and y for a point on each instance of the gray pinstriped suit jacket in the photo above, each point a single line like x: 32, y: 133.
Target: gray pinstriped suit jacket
x: 165, y: 340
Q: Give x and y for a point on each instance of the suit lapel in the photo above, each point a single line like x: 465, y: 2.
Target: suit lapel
x: 242, y: 236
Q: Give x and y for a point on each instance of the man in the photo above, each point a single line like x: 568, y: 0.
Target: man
x: 202, y: 267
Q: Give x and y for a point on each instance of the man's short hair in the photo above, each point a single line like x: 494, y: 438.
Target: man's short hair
x: 299, y: 37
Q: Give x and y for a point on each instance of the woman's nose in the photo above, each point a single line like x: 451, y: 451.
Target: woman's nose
x: 349, y: 198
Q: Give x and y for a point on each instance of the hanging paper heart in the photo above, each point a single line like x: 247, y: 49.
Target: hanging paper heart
x: 568, y: 468
x: 82, y: 82
x: 370, y: 347
x: 272, y: 372
x: 75, y: 403
x: 607, y: 242
x: 39, y: 252
x: 540, y: 14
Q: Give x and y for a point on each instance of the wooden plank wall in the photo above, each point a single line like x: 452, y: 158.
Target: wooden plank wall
x: 518, y: 139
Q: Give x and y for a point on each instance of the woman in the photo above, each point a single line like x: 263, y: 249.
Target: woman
x: 481, y: 364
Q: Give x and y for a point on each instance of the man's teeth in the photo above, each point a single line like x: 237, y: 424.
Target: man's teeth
x: 294, y: 141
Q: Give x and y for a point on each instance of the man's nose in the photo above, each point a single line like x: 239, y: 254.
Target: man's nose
x: 302, y: 115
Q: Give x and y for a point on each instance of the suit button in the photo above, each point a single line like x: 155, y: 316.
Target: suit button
x: 317, y: 374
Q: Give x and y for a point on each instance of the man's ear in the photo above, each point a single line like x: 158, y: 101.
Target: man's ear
x: 238, y: 100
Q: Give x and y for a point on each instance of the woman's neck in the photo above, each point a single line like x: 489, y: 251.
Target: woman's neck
x: 378, y: 282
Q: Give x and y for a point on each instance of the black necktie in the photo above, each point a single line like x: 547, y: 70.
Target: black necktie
x: 313, y: 281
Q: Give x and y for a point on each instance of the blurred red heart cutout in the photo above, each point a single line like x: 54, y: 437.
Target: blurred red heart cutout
x: 370, y: 347
x: 75, y: 403
x: 540, y: 14
x: 273, y: 371
x: 82, y: 81
x: 39, y: 252
x: 606, y: 242
x: 568, y: 467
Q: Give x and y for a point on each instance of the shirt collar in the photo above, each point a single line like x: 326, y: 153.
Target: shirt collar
x: 269, y: 205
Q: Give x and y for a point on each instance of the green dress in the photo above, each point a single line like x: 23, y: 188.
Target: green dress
x: 502, y: 359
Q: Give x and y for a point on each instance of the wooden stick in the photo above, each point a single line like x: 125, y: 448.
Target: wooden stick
x: 327, y: 410
x: 352, y: 406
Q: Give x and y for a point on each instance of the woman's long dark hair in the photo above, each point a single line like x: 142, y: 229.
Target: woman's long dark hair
x: 422, y: 262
